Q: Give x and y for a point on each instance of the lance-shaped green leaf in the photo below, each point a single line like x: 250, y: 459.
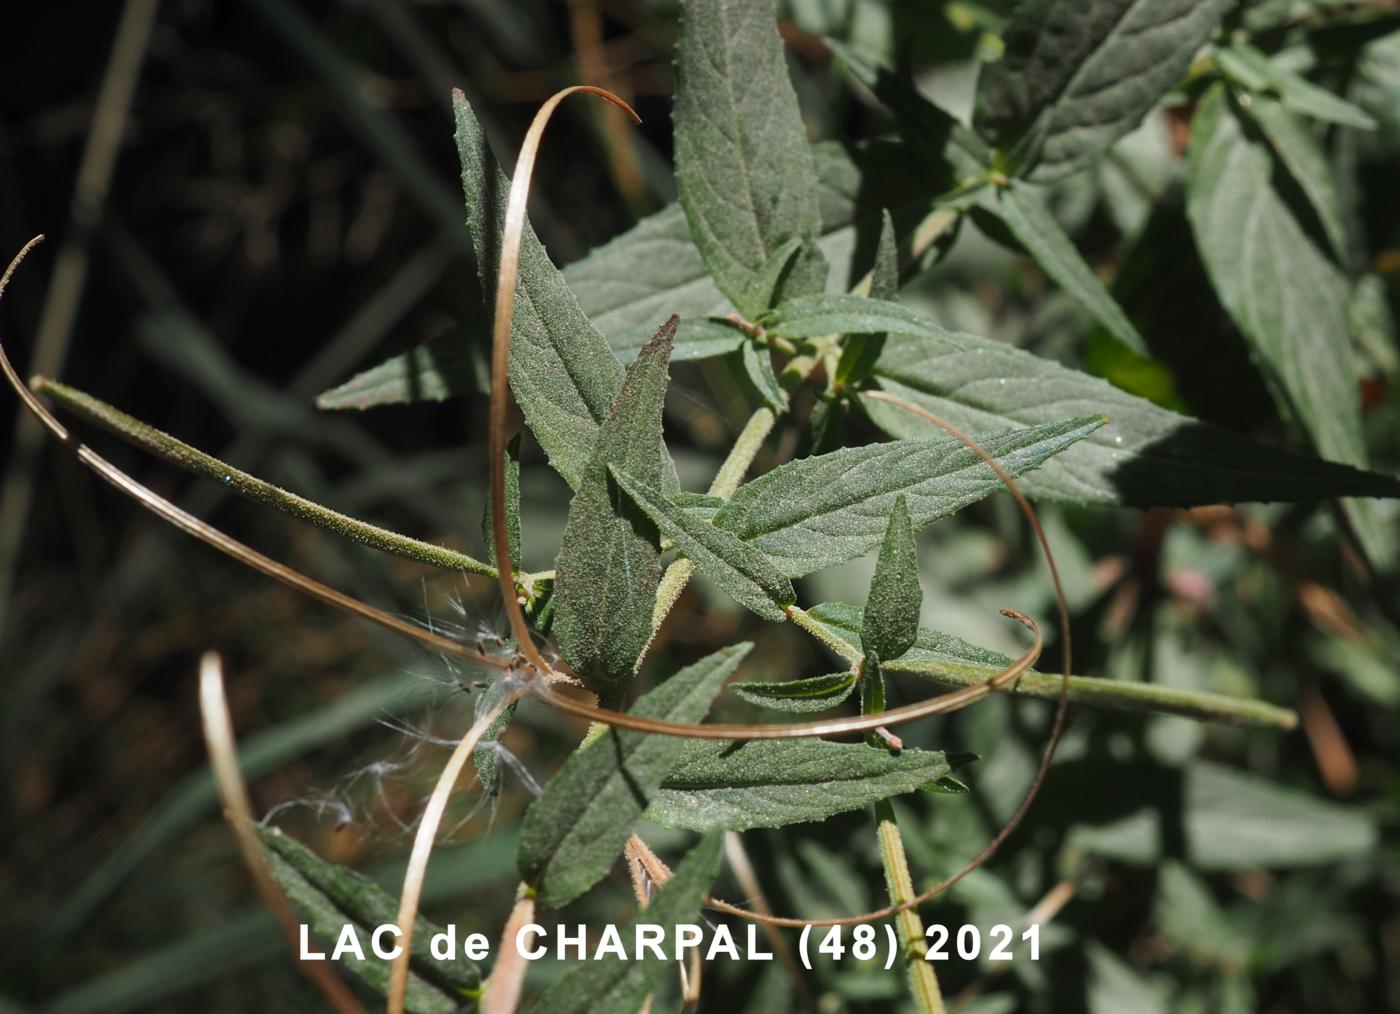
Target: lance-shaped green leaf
x: 815, y: 693
x: 609, y: 565
x: 562, y: 371
x: 952, y: 661
x: 655, y: 269
x: 571, y: 836
x: 860, y: 352
x: 772, y: 783
x: 1077, y: 76
x: 1301, y: 152
x: 447, y: 365
x: 1255, y: 70
x: 1145, y: 456
x: 743, y: 166
x: 925, y: 127
x: 820, y: 511
x: 329, y: 897
x: 892, y: 610
x: 758, y: 367
x: 615, y: 984
x: 843, y: 313
x: 1288, y: 300
x: 1030, y: 221
x: 734, y: 565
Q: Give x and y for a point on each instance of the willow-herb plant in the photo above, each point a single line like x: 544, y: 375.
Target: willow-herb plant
x: 774, y: 260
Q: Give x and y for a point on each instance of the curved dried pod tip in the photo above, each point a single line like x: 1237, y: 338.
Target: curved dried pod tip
x: 1056, y: 729
x: 223, y: 758
x: 512, y: 235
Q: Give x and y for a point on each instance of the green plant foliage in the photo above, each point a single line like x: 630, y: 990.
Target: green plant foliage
x: 773, y: 783
x: 1030, y: 221
x: 609, y: 567
x: 573, y: 834
x: 745, y: 173
x: 330, y: 898
x: 1076, y: 77
x: 612, y: 984
x: 815, y: 693
x: 890, y: 622
x: 562, y: 372
x: 817, y: 512
x: 737, y: 567
x: 1249, y: 239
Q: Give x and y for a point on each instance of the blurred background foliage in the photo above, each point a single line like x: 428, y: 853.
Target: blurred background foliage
x: 283, y: 210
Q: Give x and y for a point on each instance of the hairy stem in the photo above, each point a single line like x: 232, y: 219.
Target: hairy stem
x: 922, y: 981
x: 841, y: 647
x: 177, y: 452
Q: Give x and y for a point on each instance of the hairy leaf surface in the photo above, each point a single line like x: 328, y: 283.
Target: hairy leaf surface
x: 743, y: 165
x: 1077, y: 76
x: 815, y: 693
x: 773, y: 783
x: 571, y: 836
x: 891, y: 621
x: 820, y: 511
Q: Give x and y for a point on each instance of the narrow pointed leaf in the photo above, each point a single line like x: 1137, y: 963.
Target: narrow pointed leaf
x: 571, y: 836
x: 448, y: 365
x: 1301, y: 152
x: 758, y: 366
x: 892, y: 611
x: 842, y: 313
x: 816, y: 693
x: 622, y: 986
x: 738, y: 568
x: 1254, y: 69
x: 743, y: 166
x: 1030, y: 221
x: 1146, y: 456
x: 329, y: 897
x: 562, y: 371
x: 773, y: 783
x: 1288, y: 300
x: 765, y: 283
x: 820, y: 511
x: 861, y: 351
x: 1077, y: 76
x: 609, y: 566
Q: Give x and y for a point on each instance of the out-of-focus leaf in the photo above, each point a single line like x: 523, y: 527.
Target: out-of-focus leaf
x: 1145, y: 456
x: 355, y: 898
x: 1030, y: 221
x: 734, y: 565
x: 608, y: 567
x: 1254, y: 69
x: 817, y: 512
x: 1114, y: 987
x: 321, y: 903
x: 1230, y: 820
x: 445, y: 366
x: 571, y: 836
x: 615, y: 984
x: 861, y: 351
x: 1077, y: 76
x: 1286, y: 297
x: 743, y: 166
x: 815, y: 693
x: 758, y: 365
x: 721, y: 785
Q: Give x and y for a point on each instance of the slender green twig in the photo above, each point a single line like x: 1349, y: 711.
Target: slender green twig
x: 177, y: 452
x: 1124, y: 696
x: 922, y: 980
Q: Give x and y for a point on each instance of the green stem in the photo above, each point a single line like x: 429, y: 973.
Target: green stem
x: 177, y: 452
x: 841, y: 647
x: 1096, y: 691
x: 726, y: 481
x: 922, y: 981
